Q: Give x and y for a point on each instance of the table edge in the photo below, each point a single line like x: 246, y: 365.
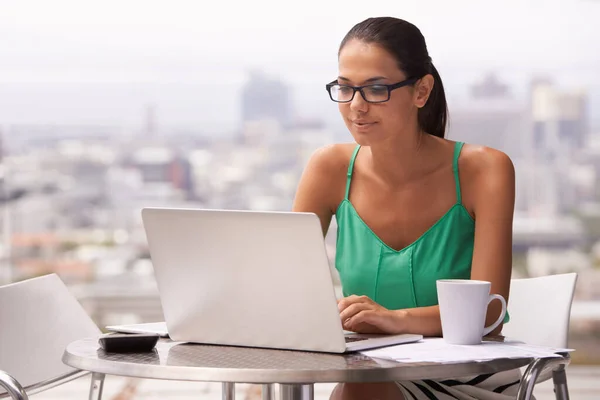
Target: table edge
x: 393, y: 372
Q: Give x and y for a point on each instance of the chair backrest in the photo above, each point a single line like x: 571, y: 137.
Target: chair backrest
x: 39, y: 317
x: 540, y: 309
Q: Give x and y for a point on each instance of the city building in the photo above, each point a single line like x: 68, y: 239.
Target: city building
x: 266, y: 98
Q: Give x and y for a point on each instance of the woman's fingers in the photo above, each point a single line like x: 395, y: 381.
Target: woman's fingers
x: 362, y: 317
x: 347, y: 301
x: 352, y: 310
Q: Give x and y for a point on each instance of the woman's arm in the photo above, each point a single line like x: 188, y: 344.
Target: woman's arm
x: 494, y: 210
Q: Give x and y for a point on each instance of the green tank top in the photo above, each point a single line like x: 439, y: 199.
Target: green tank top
x: 405, y: 278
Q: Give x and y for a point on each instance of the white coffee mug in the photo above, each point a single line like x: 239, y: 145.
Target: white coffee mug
x: 463, y: 307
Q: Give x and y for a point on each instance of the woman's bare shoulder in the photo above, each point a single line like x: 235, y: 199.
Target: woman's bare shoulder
x: 476, y: 160
x: 487, y: 175
x: 333, y: 157
x: 324, y: 179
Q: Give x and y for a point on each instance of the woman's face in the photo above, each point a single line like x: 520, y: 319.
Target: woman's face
x: 367, y: 63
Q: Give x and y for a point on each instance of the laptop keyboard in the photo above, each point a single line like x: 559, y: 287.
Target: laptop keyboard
x: 350, y: 339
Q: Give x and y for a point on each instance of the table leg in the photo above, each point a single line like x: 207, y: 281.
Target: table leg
x: 228, y: 391
x: 559, y: 377
x: 297, y: 391
x: 533, y: 372
x: 267, y: 392
x: 96, y: 386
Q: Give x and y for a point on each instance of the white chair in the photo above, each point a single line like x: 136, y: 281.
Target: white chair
x: 39, y: 317
x: 540, y: 310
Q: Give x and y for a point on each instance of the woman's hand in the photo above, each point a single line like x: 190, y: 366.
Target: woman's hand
x: 362, y: 315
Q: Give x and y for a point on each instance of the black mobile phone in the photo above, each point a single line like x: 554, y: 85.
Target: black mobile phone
x: 128, y: 342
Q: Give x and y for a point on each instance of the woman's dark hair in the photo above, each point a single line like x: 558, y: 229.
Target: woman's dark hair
x: 405, y: 42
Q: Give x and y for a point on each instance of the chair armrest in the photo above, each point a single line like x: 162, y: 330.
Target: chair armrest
x: 13, y: 388
x: 534, y: 370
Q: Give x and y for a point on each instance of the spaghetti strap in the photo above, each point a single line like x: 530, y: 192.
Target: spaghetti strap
x: 350, y: 169
x: 457, y: 149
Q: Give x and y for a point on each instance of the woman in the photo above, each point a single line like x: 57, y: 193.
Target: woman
x: 411, y: 206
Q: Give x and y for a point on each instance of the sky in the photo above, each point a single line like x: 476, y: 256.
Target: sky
x: 101, y: 62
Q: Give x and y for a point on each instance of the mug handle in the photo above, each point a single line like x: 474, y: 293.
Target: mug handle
x: 500, y: 318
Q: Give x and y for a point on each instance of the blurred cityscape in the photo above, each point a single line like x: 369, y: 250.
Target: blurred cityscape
x: 109, y: 107
x: 71, y: 195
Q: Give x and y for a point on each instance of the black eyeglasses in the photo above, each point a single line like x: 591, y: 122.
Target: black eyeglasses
x: 377, y: 93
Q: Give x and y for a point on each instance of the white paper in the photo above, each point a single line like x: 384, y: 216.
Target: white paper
x: 437, y: 350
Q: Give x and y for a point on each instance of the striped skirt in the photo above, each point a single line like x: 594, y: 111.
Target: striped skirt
x: 498, y: 386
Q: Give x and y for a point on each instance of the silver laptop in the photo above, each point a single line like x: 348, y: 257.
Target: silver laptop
x: 249, y: 278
